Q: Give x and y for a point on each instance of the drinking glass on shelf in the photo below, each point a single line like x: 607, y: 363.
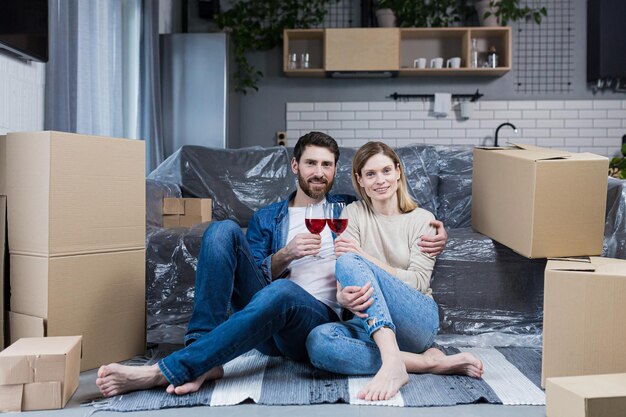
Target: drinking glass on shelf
x: 315, y: 220
x: 293, y: 61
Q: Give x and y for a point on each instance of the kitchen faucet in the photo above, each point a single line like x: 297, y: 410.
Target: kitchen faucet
x: 495, y: 142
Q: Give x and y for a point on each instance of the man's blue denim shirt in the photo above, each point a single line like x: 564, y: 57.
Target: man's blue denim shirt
x: 268, y: 229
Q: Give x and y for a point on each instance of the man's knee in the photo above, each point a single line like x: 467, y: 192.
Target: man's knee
x: 222, y: 233
x: 318, y: 344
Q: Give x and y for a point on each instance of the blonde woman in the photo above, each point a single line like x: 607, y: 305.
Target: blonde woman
x: 384, y: 279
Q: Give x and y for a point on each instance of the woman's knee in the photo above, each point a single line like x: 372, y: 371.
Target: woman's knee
x: 351, y: 269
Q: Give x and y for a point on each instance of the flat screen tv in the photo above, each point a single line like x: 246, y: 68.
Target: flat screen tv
x: 24, y: 28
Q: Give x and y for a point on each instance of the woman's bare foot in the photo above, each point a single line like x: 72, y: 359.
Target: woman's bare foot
x: 460, y: 364
x: 114, y: 379
x: 387, y: 382
x: 193, y: 386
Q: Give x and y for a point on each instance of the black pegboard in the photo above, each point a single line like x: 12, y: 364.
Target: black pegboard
x: 544, y: 53
x: 342, y: 14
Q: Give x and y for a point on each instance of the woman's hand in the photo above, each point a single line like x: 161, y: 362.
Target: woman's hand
x: 345, y: 245
x: 356, y: 299
x: 434, y: 245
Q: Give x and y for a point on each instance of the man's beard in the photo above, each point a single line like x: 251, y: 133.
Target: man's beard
x: 314, y: 194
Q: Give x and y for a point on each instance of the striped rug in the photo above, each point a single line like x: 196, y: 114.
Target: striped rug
x: 512, y: 377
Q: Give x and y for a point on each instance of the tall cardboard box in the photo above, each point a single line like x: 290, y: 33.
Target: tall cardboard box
x: 39, y: 373
x: 3, y: 277
x: 584, y: 324
x: 540, y: 202
x: 76, y: 212
x: 73, y: 194
x: 99, y: 296
x: 586, y: 396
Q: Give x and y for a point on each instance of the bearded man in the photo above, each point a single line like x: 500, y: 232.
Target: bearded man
x: 275, y: 289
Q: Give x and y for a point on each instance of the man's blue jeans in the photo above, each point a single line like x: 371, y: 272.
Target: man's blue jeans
x: 347, y: 347
x: 274, y: 318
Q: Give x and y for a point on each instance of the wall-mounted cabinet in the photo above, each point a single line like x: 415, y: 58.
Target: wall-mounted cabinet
x: 397, y: 50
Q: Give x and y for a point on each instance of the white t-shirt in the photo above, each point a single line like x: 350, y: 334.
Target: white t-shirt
x: 316, y: 276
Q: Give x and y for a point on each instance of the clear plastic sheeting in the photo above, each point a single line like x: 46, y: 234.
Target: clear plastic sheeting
x: 421, y: 167
x: 239, y: 181
x: 172, y: 259
x: 615, y: 226
x: 486, y: 293
x: 455, y: 186
x: 482, y: 286
x: 156, y: 191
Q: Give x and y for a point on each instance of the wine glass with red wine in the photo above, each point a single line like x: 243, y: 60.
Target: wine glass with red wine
x: 315, y: 220
x: 336, y: 218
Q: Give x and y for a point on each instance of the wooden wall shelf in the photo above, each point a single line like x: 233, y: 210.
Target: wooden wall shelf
x: 394, y: 49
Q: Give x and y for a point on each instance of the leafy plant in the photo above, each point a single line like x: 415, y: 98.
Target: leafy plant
x: 617, y: 166
x: 510, y: 10
x: 257, y: 25
x: 427, y: 13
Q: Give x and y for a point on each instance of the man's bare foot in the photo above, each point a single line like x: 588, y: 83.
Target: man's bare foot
x: 434, y: 352
x: 193, y: 386
x: 387, y: 382
x: 114, y: 379
x: 460, y: 364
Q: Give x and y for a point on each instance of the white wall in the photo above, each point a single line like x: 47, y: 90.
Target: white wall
x: 576, y: 125
x: 21, y: 94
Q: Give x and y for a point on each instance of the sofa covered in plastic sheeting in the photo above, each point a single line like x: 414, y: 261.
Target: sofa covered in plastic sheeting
x: 482, y: 288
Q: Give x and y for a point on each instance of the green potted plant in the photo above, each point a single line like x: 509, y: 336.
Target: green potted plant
x: 257, y: 25
x: 501, y: 12
x: 617, y: 166
x: 426, y: 13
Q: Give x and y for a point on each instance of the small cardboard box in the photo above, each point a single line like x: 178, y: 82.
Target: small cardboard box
x: 584, y: 331
x: 3, y: 254
x: 39, y: 373
x: 540, y: 202
x: 586, y: 396
x: 186, y: 212
x: 74, y: 194
x: 99, y: 296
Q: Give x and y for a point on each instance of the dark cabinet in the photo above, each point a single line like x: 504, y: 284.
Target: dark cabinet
x: 606, y: 40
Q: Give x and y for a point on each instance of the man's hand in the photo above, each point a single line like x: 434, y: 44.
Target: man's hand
x: 356, y: 299
x: 434, y: 245
x: 302, y: 245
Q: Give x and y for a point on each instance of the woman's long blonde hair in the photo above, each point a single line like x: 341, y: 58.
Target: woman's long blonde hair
x: 363, y: 154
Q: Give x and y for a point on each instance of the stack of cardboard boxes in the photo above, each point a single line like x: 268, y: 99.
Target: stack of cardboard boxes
x: 545, y: 203
x: 76, y: 234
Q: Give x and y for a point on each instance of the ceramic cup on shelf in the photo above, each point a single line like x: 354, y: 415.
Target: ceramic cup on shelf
x: 454, y: 62
x: 436, y: 62
x: 419, y: 63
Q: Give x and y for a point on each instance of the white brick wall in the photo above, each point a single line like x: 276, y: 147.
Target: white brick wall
x: 576, y: 125
x: 21, y: 95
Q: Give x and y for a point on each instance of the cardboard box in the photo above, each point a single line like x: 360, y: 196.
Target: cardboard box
x: 3, y: 254
x: 99, y: 296
x: 186, y: 212
x: 74, y: 194
x: 586, y: 396
x: 540, y: 202
x: 39, y: 373
x: 584, y: 331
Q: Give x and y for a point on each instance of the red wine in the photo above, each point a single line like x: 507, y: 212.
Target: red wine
x: 337, y: 225
x: 315, y: 226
